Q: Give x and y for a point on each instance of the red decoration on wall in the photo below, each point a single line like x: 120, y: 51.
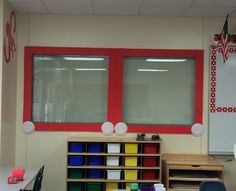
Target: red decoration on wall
x: 213, y: 107
x: 9, y: 41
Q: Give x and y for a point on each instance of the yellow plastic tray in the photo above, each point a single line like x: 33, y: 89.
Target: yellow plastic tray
x: 131, y: 161
x: 131, y: 148
x: 131, y: 174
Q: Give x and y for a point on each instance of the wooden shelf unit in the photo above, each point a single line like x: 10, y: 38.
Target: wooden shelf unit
x: 185, y: 172
x: 104, y: 167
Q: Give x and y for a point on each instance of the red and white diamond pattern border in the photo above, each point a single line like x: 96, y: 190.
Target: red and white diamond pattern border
x: 213, y: 107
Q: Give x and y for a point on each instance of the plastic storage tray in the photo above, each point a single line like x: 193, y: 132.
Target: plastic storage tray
x: 131, y: 161
x: 75, y: 160
x: 95, y: 160
x: 146, y: 187
x: 94, y: 186
x: 75, y: 186
x: 74, y: 147
x: 150, y: 148
x: 113, y: 174
x: 149, y: 161
x: 112, y: 161
x: 113, y: 147
x: 131, y: 174
x: 94, y: 147
x: 94, y: 173
x: 148, y: 174
x: 75, y: 173
x: 110, y: 186
x: 131, y: 148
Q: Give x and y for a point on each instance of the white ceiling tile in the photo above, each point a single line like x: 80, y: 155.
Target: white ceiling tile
x: 208, y: 11
x: 24, y: 1
x: 68, y: 1
x: 29, y: 7
x: 116, y: 10
x: 163, y: 11
x: 129, y: 7
x: 117, y: 2
x: 172, y: 3
x: 215, y: 3
x: 64, y: 8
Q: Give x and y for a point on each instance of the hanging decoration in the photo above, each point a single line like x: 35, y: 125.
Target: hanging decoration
x: 9, y: 39
x: 223, y: 39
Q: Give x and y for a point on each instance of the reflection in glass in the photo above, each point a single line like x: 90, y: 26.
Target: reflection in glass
x: 159, y: 91
x: 69, y: 89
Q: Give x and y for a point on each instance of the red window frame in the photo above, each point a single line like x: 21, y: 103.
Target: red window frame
x: 115, y: 77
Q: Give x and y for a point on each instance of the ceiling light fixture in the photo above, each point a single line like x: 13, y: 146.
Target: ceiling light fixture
x: 83, y: 58
x: 90, y: 69
x: 152, y: 70
x: 62, y: 69
x: 165, y: 60
x: 43, y: 58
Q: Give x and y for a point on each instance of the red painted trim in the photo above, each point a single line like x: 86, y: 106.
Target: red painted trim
x: 67, y: 127
x: 198, y: 54
x: 27, y: 85
x: 176, y: 129
x: 199, y: 87
x: 115, y: 83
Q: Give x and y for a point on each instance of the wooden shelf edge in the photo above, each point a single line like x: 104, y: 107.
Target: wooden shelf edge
x: 110, y: 140
x: 108, y: 180
x: 114, y: 167
x: 194, y: 179
x: 116, y: 154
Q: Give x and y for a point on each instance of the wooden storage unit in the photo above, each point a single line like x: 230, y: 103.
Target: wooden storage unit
x: 183, y: 172
x: 79, y: 170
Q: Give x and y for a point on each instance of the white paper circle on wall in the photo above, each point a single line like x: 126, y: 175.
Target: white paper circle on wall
x: 121, y: 128
x: 107, y: 128
x: 197, y: 129
x: 28, y: 127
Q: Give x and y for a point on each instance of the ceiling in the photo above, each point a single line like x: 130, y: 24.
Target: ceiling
x: 186, y: 8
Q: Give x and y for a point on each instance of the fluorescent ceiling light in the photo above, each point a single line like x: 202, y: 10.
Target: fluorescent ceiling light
x: 62, y: 69
x: 83, y: 58
x: 43, y: 58
x: 90, y: 69
x: 152, y: 70
x: 165, y: 60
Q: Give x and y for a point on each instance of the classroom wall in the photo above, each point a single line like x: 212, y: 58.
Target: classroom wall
x: 8, y: 98
x: 49, y: 148
x: 1, y: 47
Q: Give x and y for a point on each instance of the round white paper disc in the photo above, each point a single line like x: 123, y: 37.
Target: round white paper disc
x: 121, y: 128
x: 107, y: 128
x: 197, y: 129
x: 28, y: 127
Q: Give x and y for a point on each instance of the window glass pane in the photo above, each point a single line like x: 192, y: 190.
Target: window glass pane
x: 69, y: 88
x: 159, y: 91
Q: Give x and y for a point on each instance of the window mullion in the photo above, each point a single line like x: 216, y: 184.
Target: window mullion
x: 115, y: 87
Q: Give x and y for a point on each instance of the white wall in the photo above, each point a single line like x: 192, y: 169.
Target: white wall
x: 8, y: 98
x: 106, y: 31
x: 1, y: 47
